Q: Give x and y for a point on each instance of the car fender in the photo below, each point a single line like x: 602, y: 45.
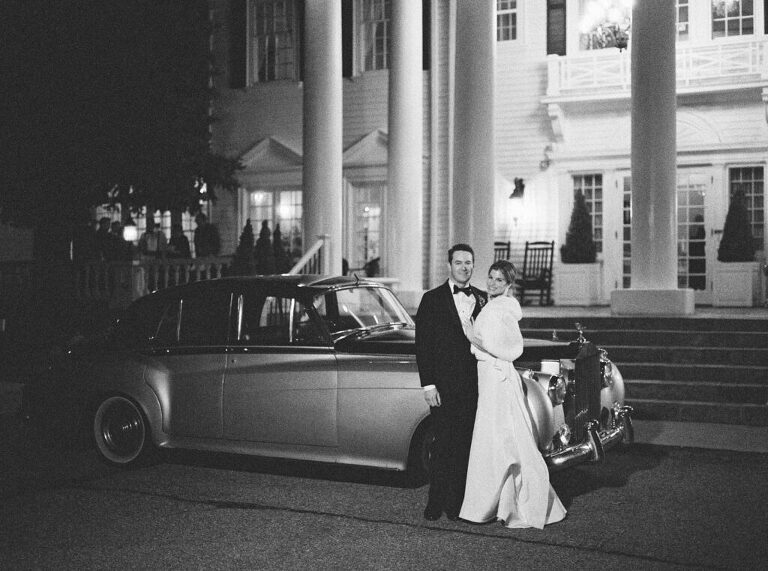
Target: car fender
x: 541, y: 412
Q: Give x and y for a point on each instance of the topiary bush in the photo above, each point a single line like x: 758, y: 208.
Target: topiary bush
x: 579, y: 247
x: 737, y: 243
x: 243, y: 263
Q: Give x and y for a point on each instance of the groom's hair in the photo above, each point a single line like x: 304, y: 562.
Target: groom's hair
x: 460, y: 248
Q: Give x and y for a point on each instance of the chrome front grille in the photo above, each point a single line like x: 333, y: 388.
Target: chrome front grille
x: 584, y: 403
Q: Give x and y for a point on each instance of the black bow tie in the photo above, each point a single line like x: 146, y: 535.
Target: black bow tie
x: 465, y: 290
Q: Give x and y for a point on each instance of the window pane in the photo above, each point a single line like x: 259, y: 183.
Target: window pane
x: 204, y: 318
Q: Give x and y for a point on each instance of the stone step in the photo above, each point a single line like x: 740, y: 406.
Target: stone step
x: 731, y: 393
x: 600, y: 323
x: 693, y: 411
x: 688, y: 355
x: 700, y: 373
x: 742, y: 339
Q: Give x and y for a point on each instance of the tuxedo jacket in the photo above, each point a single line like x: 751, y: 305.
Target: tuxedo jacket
x: 442, y: 350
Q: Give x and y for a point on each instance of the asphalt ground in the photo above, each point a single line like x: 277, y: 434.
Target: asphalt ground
x: 646, y: 507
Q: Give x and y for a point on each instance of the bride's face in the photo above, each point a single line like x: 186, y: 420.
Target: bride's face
x: 496, y: 283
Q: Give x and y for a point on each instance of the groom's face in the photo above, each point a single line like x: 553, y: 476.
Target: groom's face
x: 461, y: 266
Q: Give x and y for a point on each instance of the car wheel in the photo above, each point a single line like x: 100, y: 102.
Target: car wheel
x: 121, y: 432
x: 419, y: 459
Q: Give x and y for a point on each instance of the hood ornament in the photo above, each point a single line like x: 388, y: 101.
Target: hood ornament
x: 580, y: 329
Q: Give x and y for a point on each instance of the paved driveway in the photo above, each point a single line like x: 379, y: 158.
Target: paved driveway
x: 646, y: 507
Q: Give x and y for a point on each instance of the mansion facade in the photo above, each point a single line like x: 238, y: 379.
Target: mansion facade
x: 557, y: 89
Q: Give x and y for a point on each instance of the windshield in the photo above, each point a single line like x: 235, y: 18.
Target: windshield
x: 362, y: 307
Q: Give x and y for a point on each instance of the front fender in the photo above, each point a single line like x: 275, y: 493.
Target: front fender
x: 541, y: 411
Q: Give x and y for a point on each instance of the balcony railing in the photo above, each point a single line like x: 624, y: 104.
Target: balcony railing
x: 607, y: 73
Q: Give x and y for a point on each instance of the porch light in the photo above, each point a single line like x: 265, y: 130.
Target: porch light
x: 130, y: 231
x: 519, y: 189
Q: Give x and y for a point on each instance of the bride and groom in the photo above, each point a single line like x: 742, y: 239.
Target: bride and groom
x: 485, y: 465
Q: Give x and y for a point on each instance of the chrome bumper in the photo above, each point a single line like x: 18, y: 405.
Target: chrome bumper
x: 595, y: 443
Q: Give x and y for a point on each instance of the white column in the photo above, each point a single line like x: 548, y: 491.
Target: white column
x: 323, y: 121
x: 403, y: 251
x: 654, y: 171
x: 473, y: 132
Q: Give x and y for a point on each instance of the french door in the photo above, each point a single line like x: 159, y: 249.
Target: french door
x: 696, y: 241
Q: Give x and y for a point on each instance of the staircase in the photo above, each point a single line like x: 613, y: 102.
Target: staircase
x: 694, y: 369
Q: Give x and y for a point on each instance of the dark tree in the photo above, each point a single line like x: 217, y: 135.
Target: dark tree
x: 107, y: 101
x: 579, y: 247
x: 263, y: 252
x: 737, y: 243
x: 244, y: 263
x: 282, y: 262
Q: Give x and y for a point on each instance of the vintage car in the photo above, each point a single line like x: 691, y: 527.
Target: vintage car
x: 304, y: 367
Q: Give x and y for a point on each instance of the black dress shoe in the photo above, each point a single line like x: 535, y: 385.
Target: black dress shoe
x: 451, y: 515
x: 432, y: 513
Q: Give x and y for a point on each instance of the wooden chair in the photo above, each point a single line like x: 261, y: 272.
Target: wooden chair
x: 536, y: 276
x: 501, y: 251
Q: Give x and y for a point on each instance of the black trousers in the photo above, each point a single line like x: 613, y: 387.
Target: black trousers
x: 453, y: 424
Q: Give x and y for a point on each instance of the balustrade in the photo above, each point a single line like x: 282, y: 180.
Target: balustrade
x: 600, y: 73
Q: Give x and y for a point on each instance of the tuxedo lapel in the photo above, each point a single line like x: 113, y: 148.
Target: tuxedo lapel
x: 479, y: 302
x: 451, y: 305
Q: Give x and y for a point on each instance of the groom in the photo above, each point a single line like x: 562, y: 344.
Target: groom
x: 448, y: 373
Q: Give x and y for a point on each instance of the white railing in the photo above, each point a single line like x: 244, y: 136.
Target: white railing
x: 119, y: 283
x: 609, y: 71
x: 315, y: 260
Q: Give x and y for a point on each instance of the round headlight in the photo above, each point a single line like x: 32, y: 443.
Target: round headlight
x: 557, y: 389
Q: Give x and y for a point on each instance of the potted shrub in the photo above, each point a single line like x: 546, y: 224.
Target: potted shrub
x: 736, y: 281
x: 578, y: 279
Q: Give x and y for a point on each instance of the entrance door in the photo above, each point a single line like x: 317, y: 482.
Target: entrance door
x: 695, y: 243
x: 364, y: 218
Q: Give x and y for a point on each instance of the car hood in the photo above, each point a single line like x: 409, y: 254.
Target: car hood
x: 403, y: 342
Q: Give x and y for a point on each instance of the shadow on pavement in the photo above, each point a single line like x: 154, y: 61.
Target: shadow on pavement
x: 620, y: 463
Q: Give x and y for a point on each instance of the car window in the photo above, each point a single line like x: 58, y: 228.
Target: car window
x: 139, y: 325
x: 360, y: 308
x: 204, y: 318
x: 167, y: 331
x: 275, y: 320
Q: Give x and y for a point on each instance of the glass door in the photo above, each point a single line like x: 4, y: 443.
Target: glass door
x: 695, y: 244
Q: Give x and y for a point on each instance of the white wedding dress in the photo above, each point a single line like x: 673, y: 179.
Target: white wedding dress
x: 507, y: 479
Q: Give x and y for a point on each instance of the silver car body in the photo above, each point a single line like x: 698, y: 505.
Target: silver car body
x: 350, y: 395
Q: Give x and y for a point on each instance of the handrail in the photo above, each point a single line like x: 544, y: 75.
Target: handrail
x: 313, y: 261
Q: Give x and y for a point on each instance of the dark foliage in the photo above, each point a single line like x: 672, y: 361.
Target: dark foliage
x: 579, y: 247
x: 263, y: 252
x: 106, y: 101
x: 282, y: 262
x: 737, y: 243
x: 244, y: 263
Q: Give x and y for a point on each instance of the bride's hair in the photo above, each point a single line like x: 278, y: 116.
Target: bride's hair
x: 506, y: 268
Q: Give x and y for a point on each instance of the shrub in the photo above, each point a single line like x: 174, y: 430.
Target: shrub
x: 737, y: 243
x: 243, y: 263
x: 579, y: 247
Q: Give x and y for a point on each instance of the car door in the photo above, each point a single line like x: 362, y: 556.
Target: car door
x: 281, y: 381
x: 189, y: 360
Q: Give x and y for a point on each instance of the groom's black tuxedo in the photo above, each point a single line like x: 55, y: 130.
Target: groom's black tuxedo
x: 445, y: 360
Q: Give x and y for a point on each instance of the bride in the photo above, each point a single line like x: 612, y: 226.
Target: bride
x: 507, y: 478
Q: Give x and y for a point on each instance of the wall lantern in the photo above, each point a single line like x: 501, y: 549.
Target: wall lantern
x: 519, y: 189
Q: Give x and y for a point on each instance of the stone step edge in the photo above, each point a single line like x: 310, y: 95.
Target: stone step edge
x: 601, y: 330
x: 684, y: 347
x: 620, y: 364
x: 708, y: 384
x: 734, y: 406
